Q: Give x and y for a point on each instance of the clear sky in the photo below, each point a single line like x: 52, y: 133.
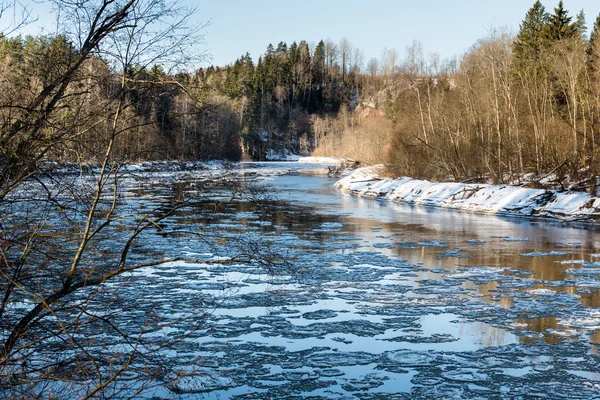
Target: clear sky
x: 447, y: 27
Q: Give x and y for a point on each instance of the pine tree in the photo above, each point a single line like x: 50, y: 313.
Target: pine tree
x: 559, y: 25
x: 530, y: 39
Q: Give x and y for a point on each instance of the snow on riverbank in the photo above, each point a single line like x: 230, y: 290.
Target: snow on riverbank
x: 321, y: 160
x: 183, y: 166
x: 495, y: 199
x: 282, y: 155
x: 285, y: 156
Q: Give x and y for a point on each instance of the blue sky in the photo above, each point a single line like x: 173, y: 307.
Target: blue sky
x: 447, y: 27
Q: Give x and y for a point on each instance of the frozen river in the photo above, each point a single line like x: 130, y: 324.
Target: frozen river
x: 378, y: 300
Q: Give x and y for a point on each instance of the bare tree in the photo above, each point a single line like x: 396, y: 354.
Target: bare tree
x: 14, y: 16
x: 331, y: 55
x: 345, y: 53
x: 570, y: 61
x: 63, y: 236
x: 389, y: 60
x: 373, y: 68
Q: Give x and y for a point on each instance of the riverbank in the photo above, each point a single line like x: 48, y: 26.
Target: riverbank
x: 483, y: 198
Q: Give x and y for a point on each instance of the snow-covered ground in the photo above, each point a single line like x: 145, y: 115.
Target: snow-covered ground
x: 321, y: 160
x: 493, y: 199
x: 282, y: 155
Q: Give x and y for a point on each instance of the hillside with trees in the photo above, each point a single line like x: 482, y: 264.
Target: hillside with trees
x: 510, y: 105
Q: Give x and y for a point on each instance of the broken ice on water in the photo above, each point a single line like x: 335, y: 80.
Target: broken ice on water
x: 471, y: 306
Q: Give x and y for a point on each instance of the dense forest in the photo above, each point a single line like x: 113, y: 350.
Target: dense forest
x: 510, y: 105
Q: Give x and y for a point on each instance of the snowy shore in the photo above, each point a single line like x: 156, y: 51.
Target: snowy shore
x: 483, y: 198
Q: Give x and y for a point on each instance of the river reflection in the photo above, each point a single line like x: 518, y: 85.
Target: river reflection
x: 375, y: 299
x: 447, y: 240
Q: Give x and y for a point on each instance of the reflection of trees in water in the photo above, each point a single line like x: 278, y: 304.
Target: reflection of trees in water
x: 404, y: 239
x: 541, y: 325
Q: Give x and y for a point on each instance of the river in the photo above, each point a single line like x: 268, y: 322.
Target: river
x: 378, y: 300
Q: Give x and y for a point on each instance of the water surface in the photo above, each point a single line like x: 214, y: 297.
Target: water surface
x: 380, y: 300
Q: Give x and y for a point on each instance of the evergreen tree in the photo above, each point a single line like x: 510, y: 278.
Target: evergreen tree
x: 231, y: 85
x: 293, y: 57
x: 530, y: 39
x: 304, y: 72
x: 319, y: 63
x: 270, y: 69
x: 274, y: 95
x: 247, y: 74
x: 559, y: 25
x: 595, y: 31
x: 283, y: 65
x: 258, y: 100
x: 281, y: 48
x: 594, y: 45
x: 580, y: 24
x: 318, y: 71
x: 293, y: 53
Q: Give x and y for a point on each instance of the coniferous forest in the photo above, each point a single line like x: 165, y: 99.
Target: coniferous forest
x: 512, y: 104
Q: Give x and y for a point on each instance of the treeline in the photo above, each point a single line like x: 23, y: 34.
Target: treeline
x: 277, y: 96
x: 162, y: 116
x: 514, y: 105
x: 211, y: 113
x: 510, y: 106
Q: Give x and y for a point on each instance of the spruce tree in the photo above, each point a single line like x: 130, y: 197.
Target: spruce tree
x: 293, y: 53
x: 594, y: 44
x: 270, y: 49
x: 580, y: 24
x: 258, y: 101
x: 281, y: 48
x: 270, y: 74
x: 559, y: 25
x: 319, y: 63
x: 246, y: 77
x: 230, y: 86
x: 530, y: 39
x: 318, y: 79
